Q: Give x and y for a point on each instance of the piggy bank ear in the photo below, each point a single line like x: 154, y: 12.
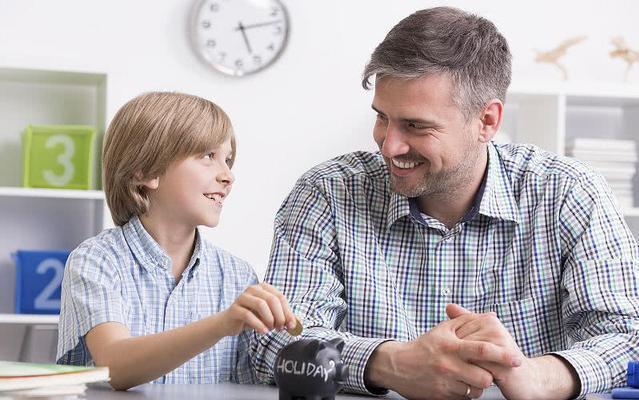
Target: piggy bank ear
x: 338, y: 343
x: 313, y: 347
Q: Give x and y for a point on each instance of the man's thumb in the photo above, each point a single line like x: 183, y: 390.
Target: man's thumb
x: 455, y: 310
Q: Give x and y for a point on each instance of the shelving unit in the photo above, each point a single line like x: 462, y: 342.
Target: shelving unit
x: 550, y: 116
x: 43, y: 219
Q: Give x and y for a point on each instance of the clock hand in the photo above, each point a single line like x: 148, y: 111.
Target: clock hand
x: 257, y: 25
x: 241, y: 28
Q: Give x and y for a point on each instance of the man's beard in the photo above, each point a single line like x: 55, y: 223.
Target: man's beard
x: 441, y: 183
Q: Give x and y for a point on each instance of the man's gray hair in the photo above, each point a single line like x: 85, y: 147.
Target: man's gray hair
x: 466, y: 47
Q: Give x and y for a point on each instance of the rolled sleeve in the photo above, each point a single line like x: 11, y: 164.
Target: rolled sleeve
x: 601, y: 285
x: 306, y: 267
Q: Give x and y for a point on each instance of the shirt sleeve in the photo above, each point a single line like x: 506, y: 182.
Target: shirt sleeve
x: 305, y: 266
x: 600, y: 307
x: 91, y: 295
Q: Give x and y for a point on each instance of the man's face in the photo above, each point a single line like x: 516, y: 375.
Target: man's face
x: 426, y: 142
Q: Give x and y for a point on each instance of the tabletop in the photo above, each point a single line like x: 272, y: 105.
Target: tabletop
x: 226, y: 391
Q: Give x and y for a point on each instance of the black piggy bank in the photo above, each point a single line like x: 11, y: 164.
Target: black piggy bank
x: 310, y: 369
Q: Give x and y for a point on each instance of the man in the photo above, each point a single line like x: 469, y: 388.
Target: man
x: 448, y: 263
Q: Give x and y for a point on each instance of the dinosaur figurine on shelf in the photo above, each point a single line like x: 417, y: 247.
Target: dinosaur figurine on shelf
x: 553, y: 56
x: 624, y: 52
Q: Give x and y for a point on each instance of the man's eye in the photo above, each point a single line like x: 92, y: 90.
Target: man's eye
x: 381, y: 117
x: 415, y: 126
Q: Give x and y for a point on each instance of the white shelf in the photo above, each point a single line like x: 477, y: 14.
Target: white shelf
x: 29, y: 319
x: 51, y: 193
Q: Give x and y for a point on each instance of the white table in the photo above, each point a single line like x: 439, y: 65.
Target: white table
x: 226, y: 391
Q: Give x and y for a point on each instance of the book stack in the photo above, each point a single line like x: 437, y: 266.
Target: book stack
x: 615, y: 160
x: 50, y: 381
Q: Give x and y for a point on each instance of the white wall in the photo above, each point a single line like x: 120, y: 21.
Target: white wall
x: 309, y: 106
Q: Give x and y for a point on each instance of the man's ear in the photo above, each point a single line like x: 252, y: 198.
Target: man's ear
x: 490, y: 120
x: 152, y: 183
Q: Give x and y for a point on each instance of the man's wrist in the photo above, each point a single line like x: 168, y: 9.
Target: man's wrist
x: 382, y: 366
x: 557, y: 377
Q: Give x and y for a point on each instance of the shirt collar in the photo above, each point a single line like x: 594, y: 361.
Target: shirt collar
x: 498, y: 200
x: 148, y: 252
x: 494, y: 197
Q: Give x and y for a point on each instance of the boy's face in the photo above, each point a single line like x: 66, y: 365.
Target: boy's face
x: 192, y: 191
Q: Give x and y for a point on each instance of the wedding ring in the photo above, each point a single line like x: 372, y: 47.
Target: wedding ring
x: 467, y: 395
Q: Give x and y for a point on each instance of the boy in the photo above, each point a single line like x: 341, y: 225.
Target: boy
x: 150, y: 298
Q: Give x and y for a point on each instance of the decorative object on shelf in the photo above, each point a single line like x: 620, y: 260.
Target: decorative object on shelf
x: 239, y: 37
x: 624, y: 52
x: 310, y: 369
x: 553, y: 56
x: 38, y: 281
x: 615, y: 160
x: 58, y: 156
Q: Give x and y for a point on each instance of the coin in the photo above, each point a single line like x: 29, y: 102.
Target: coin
x: 297, y: 330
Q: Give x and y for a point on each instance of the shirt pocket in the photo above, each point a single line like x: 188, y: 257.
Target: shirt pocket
x: 503, y: 276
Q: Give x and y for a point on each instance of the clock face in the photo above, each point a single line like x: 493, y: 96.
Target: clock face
x: 239, y: 37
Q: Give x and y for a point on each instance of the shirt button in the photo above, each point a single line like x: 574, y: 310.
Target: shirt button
x: 446, y: 292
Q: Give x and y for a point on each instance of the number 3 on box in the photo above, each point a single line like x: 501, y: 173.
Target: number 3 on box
x: 64, y: 159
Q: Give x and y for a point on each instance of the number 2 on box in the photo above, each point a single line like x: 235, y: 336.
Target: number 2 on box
x: 43, y: 301
x: 64, y: 159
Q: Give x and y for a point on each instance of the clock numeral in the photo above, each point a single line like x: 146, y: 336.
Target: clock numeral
x: 206, y: 24
x: 271, y: 47
x: 215, y: 7
x: 257, y: 60
x: 211, y: 43
x: 222, y: 55
x: 274, y: 11
x: 277, y: 30
x: 239, y: 63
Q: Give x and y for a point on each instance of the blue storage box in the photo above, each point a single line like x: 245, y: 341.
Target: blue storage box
x: 39, y: 280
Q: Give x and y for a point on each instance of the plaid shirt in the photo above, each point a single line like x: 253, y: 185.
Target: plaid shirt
x: 122, y: 275
x: 547, y: 250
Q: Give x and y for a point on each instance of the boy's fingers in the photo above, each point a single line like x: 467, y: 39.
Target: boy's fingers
x: 259, y: 307
x: 275, y: 305
x: 251, y: 320
x: 291, y: 321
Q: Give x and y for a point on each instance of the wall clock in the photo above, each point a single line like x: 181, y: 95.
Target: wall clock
x: 239, y: 37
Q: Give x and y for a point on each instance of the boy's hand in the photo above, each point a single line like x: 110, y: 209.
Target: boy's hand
x: 260, y: 307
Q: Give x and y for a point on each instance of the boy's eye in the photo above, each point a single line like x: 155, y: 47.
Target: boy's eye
x: 209, y: 156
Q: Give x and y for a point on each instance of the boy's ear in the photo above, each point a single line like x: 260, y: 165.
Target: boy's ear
x: 152, y: 183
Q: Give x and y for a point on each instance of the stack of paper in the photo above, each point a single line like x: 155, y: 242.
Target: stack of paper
x: 26, y: 380
x: 615, y: 159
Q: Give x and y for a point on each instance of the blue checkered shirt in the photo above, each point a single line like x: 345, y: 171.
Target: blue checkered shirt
x: 122, y: 275
x: 547, y: 250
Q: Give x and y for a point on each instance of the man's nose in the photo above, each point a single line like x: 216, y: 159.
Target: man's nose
x: 394, y: 142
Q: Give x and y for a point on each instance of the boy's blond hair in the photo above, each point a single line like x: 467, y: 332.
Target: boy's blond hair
x: 146, y: 135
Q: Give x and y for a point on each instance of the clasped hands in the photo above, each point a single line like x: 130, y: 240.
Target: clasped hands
x: 461, y: 357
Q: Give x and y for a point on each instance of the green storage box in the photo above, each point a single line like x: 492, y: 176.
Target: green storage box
x: 58, y: 156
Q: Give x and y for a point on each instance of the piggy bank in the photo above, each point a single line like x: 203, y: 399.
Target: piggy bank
x: 310, y: 369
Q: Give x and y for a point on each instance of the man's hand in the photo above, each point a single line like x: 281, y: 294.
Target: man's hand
x: 537, y: 378
x: 437, y: 364
x: 260, y: 307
